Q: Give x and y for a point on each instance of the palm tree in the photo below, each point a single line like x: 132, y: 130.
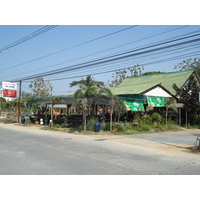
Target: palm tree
x: 53, y: 100
x: 83, y: 96
x: 114, y: 101
x: 87, y: 88
x: 87, y: 83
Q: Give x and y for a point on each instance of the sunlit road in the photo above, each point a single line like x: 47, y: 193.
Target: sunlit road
x: 28, y: 151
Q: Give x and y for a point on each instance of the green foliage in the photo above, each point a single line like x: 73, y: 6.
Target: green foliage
x: 87, y: 83
x: 157, y: 118
x: 146, y: 119
x: 151, y: 73
x: 189, y: 95
x: 143, y: 127
x: 90, y: 123
x: 88, y: 88
x: 107, y: 127
x: 197, y: 120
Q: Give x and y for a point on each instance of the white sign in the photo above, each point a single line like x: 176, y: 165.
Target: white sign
x: 9, y: 86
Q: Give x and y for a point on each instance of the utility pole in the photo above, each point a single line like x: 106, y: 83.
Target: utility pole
x: 19, y: 102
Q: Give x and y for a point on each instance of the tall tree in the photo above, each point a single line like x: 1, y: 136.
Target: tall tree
x: 87, y: 83
x: 41, y: 88
x: 189, y: 95
x: 53, y: 99
x: 192, y: 63
x: 120, y: 75
x: 87, y: 88
x: 114, y: 101
x: 82, y: 96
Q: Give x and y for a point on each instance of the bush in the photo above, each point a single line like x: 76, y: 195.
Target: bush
x: 107, y: 127
x: 90, y: 123
x: 143, y: 127
x: 157, y: 118
x: 146, y: 119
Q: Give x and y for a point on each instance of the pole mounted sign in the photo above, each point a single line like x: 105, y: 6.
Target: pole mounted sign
x: 9, y: 89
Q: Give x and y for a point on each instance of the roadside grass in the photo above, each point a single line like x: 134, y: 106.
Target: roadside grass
x: 120, y: 129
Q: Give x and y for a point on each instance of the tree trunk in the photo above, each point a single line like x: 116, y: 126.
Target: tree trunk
x: 51, y: 115
x: 84, y: 119
x: 110, y: 119
x: 111, y: 113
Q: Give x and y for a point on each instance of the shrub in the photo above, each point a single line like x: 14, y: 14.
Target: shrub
x: 143, y: 127
x: 107, y: 127
x: 157, y: 118
x: 146, y: 119
x: 90, y: 123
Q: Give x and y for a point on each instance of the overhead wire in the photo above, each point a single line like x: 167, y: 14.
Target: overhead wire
x: 152, y: 35
x: 118, y: 46
x: 178, y: 50
x: 28, y: 37
x: 117, y: 57
x: 124, y: 67
x: 144, y: 47
x: 99, y: 65
x: 89, y: 41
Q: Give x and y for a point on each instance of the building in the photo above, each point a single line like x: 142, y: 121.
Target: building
x: 152, y: 92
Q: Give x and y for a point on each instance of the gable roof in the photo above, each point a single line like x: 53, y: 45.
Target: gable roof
x: 139, y: 84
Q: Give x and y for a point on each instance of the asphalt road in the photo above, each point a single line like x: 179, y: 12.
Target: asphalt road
x: 31, y: 151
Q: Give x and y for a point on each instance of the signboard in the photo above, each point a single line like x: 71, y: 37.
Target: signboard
x: 134, y: 105
x: 156, y: 101
x: 9, y: 89
x: 9, y: 86
x: 9, y: 93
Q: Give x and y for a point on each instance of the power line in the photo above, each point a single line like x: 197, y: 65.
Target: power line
x: 117, y: 57
x: 28, y: 37
x: 169, y: 51
x: 118, y: 46
x: 71, y: 47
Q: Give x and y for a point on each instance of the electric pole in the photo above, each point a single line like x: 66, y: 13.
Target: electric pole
x: 19, y: 102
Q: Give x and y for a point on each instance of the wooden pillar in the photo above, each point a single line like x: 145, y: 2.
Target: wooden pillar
x: 179, y: 116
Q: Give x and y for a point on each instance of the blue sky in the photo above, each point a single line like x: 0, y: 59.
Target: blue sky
x: 87, y: 12
x: 65, y: 37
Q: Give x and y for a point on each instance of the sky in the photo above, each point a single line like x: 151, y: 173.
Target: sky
x: 97, y: 18
x: 64, y: 46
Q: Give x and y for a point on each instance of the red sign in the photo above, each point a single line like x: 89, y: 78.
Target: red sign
x: 10, y: 93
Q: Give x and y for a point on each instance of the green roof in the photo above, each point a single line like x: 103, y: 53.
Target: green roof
x: 139, y: 84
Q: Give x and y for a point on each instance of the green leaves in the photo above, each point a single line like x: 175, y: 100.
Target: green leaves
x: 87, y: 83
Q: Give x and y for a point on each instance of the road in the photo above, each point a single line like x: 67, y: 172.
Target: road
x: 31, y: 151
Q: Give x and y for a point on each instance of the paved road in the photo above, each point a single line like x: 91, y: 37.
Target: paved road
x: 25, y: 150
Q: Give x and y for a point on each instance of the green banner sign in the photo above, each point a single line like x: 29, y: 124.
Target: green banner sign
x: 156, y: 101
x: 134, y: 105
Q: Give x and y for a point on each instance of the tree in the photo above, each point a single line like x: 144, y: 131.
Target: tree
x: 192, y: 63
x: 2, y: 103
x: 114, y: 101
x: 189, y: 95
x: 26, y: 95
x: 87, y: 83
x: 87, y: 88
x: 83, y: 97
x: 150, y: 73
x: 53, y: 99
x: 41, y: 88
x: 120, y: 75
